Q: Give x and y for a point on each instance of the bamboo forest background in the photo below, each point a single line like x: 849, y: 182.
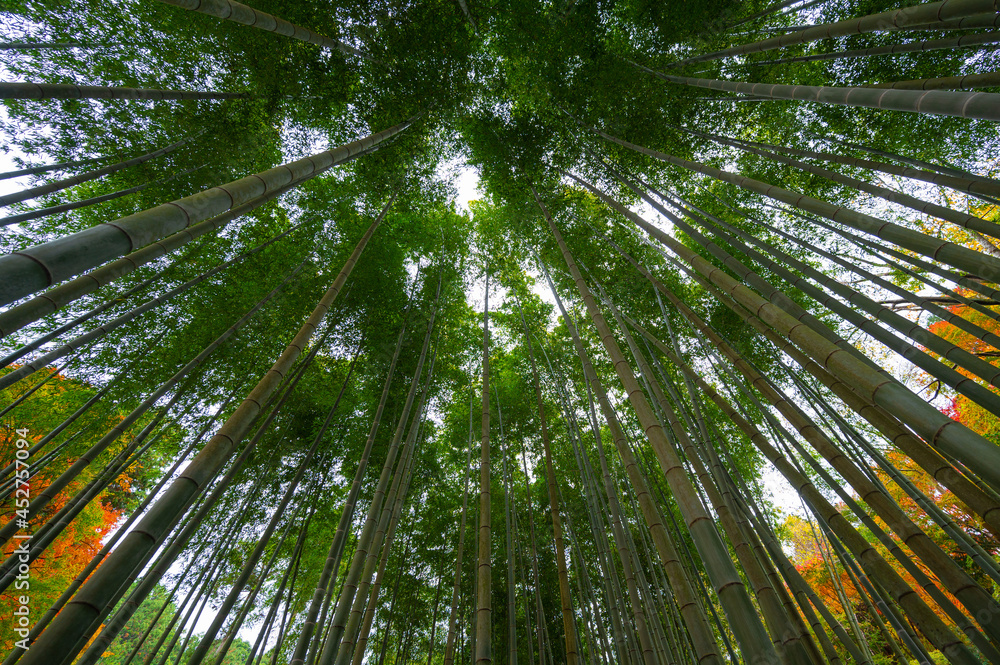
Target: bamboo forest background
x: 707, y: 374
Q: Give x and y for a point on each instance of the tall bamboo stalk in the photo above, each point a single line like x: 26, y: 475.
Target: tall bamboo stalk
x: 74, y: 622
x: 240, y: 13
x: 784, y: 637
x: 195, y: 519
x: 66, y: 207
x: 352, y: 647
x: 449, y: 650
x: 97, y: 333
x: 334, y: 554
x: 484, y: 568
x: 566, y: 601
x: 932, y: 627
x: 45, y: 264
x: 43, y: 497
x: 928, y: 14
x: 960, y: 257
x: 508, y: 541
x: 909, y: 47
x: 950, y: 436
x: 779, y: 154
x: 359, y: 558
x: 693, y: 614
x: 35, y: 170
x: 63, y: 183
x: 72, y: 91
x: 19, y: 316
x: 251, y: 559
x: 894, y: 431
x: 973, y: 105
x: 742, y: 616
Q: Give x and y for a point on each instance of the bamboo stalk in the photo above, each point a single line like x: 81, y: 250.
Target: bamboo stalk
x: 928, y: 14
x: 973, y: 105
x: 73, y: 623
x: 484, y: 567
x: 240, y: 13
x: 45, y: 264
x: 10, y: 90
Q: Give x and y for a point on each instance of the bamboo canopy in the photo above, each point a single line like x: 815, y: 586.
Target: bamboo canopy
x: 731, y: 370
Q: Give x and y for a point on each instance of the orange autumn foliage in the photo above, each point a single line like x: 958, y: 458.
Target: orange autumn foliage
x: 963, y: 409
x: 69, y: 553
x: 807, y: 554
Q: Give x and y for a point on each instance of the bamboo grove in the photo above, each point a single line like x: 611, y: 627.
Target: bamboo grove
x: 709, y: 374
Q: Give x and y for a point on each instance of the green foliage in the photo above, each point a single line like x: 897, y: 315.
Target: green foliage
x: 515, y: 95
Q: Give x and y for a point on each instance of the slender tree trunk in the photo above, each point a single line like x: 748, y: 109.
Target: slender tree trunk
x: 910, y: 47
x: 360, y: 556
x: 930, y: 460
x: 928, y: 14
x: 449, y: 650
x: 915, y: 355
x: 971, y: 222
x: 73, y: 623
x: 950, y: 436
x: 434, y: 618
x: 35, y: 170
x: 983, y: 80
x: 240, y: 13
x: 220, y: 650
x: 335, y: 553
x: 626, y: 555
x: 72, y: 91
x: 265, y: 631
x: 508, y: 543
x: 955, y: 255
x: 121, y: 531
x: 973, y: 105
x: 932, y: 626
x: 250, y: 561
x: 19, y: 316
x: 692, y: 612
x: 359, y: 627
x: 951, y: 576
x: 65, y: 207
x: 43, y: 497
x: 484, y: 569
x: 111, y: 628
x: 623, y: 640
x: 45, y: 359
x: 743, y: 619
x: 43, y: 265
x: 760, y: 533
x: 791, y: 648
x: 57, y: 185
